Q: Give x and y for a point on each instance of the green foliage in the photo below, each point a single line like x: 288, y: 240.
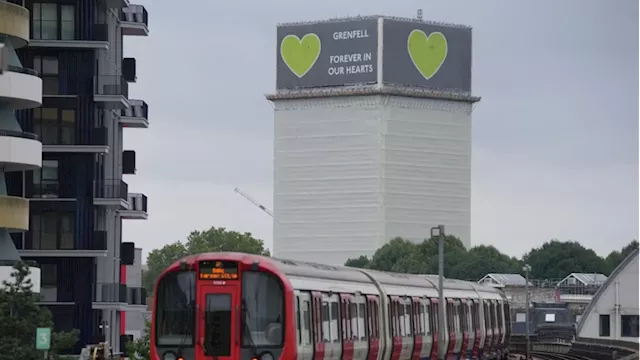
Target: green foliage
x: 139, y: 348
x: 20, y: 316
x: 211, y: 240
x: 553, y: 260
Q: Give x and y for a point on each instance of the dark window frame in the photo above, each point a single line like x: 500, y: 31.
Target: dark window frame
x: 283, y: 312
x: 50, y: 82
x: 628, y: 325
x: 604, y: 330
x: 58, y: 21
x: 38, y: 185
x: 59, y: 228
x: 189, y: 342
x: 58, y: 123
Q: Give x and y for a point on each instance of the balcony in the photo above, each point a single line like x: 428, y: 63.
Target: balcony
x: 115, y: 4
x: 14, y: 213
x: 111, y: 193
x: 110, y: 296
x: 111, y: 91
x: 20, y: 87
x: 136, y: 116
x: 129, y: 70
x: 48, y: 34
x: 134, y: 20
x: 19, y: 151
x: 137, y: 207
x: 41, y: 244
x: 137, y: 296
x: 14, y: 21
x: 63, y: 140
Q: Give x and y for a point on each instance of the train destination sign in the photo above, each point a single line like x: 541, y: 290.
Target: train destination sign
x: 218, y: 270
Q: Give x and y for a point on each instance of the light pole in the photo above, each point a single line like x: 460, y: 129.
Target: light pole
x: 439, y: 232
x: 526, y: 268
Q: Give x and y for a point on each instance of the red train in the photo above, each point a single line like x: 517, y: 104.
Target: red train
x: 221, y: 306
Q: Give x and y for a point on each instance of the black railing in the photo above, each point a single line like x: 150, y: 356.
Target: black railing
x: 22, y: 70
x: 138, y: 109
x: 111, y: 189
x: 65, y: 135
x: 18, y: 134
x: 42, y: 240
x: 138, y: 202
x: 110, y: 293
x: 135, y: 14
x: 51, y: 30
x: 137, y: 296
x: 111, y: 85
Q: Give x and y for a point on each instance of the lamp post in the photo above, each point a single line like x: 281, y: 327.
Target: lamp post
x: 526, y: 268
x: 439, y: 232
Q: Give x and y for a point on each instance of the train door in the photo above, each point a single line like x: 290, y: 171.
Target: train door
x: 458, y: 328
x: 467, y: 342
x: 434, y: 314
x: 501, y: 326
x: 406, y: 330
x: 488, y: 328
x: 374, y: 326
x: 304, y: 326
x: 347, y: 330
x: 496, y: 328
x: 419, y: 333
x: 394, y: 327
x: 427, y: 329
x: 507, y: 322
x: 451, y: 329
x: 331, y: 327
x: 218, y: 326
x: 478, y: 339
x: 359, y: 328
x: 318, y: 326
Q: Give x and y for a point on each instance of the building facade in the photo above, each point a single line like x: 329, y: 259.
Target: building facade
x: 78, y: 198
x: 20, y: 88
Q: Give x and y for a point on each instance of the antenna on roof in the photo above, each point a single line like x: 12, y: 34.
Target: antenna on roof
x: 419, y: 14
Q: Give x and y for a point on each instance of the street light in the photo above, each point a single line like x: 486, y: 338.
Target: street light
x: 526, y: 268
x: 439, y: 232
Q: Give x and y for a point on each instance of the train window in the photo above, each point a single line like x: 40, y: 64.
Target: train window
x: 418, y: 315
x: 175, y: 310
x: 487, y: 321
x: 263, y: 310
x: 407, y: 319
x: 362, y: 332
x: 335, y: 322
x: 346, y: 319
x: 326, y: 329
x: 370, y: 317
x: 298, y: 330
x: 353, y: 312
x: 474, y: 315
x: 435, y: 313
x: 499, y: 314
x: 401, y: 320
x: 376, y: 319
x: 306, y: 322
x: 427, y: 319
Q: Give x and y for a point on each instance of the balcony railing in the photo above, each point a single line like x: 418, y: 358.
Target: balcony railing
x: 137, y: 202
x: 137, y: 296
x: 138, y: 109
x: 135, y: 14
x: 50, y: 30
x: 111, y: 189
x: 22, y: 70
x: 19, y: 134
x: 42, y: 240
x: 110, y: 293
x: 57, y: 135
x: 114, y: 85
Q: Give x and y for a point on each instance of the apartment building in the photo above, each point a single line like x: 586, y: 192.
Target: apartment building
x: 78, y: 198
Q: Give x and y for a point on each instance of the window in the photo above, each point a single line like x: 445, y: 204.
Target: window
x: 217, y: 325
x: 45, y: 180
x: 48, y: 68
x: 306, y: 322
x: 362, y: 314
x: 67, y: 232
x: 629, y: 326
x: 49, y: 275
x: 353, y: 314
x: 52, y: 21
x: 605, y: 325
x: 521, y: 317
x: 55, y: 126
x: 335, y: 322
x: 53, y: 231
x: 263, y: 306
x: 175, y: 310
x: 326, y: 333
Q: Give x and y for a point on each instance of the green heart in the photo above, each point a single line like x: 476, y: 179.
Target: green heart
x: 427, y: 52
x: 300, y: 55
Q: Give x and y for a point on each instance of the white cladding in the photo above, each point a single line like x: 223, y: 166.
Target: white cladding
x: 351, y: 173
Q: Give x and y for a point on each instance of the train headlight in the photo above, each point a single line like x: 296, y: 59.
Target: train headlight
x: 266, y: 356
x: 169, y: 355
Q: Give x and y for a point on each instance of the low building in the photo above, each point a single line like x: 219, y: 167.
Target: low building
x: 579, y: 288
x: 514, y: 287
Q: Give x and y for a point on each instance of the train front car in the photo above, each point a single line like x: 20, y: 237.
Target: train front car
x: 222, y: 306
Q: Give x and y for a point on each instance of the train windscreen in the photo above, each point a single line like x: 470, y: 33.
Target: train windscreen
x: 175, y: 309
x: 263, y: 310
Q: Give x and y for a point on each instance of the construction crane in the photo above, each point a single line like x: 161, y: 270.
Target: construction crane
x: 256, y: 203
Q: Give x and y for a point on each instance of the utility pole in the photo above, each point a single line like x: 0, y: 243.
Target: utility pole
x: 526, y: 270
x: 439, y: 232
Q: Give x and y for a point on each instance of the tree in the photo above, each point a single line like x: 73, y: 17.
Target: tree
x: 616, y: 257
x: 20, y: 316
x: 391, y: 253
x: 211, y: 240
x: 557, y: 259
x: 361, y: 262
x: 482, y: 260
x: 139, y: 349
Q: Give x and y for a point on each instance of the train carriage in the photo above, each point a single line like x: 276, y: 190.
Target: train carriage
x: 222, y: 306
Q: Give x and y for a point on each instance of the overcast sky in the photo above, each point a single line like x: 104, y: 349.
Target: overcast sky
x: 555, y: 137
